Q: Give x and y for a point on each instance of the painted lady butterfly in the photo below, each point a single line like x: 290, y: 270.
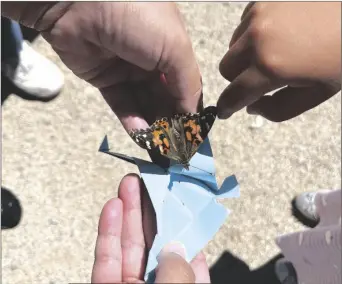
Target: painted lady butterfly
x: 178, y: 137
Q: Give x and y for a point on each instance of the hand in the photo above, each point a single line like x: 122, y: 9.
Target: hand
x: 286, y: 44
x: 122, y: 48
x: 126, y: 230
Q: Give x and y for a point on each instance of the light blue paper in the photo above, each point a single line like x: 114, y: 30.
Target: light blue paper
x: 185, y: 202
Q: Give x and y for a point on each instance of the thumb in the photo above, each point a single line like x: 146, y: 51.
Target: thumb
x: 172, y: 267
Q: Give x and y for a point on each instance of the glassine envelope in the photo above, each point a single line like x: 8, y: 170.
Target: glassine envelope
x: 185, y: 201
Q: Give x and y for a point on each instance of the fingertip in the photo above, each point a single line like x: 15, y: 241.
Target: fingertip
x: 132, y: 121
x: 110, y: 217
x: 223, y: 112
x: 108, y: 257
x: 173, y: 268
x: 200, y: 257
x: 173, y: 247
x: 130, y: 190
x: 245, y: 90
x: 128, y: 180
x: 112, y: 207
x: 200, y: 267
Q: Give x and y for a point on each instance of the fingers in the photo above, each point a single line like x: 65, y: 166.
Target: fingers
x: 122, y: 101
x: 184, y: 82
x: 237, y: 59
x: 114, y: 71
x: 290, y: 102
x: 108, y: 258
x: 172, y: 267
x: 200, y: 268
x: 242, y: 27
x: 239, y: 56
x: 247, y: 9
x: 132, y: 238
x: 178, y: 64
x: 247, y: 88
x: 149, y: 218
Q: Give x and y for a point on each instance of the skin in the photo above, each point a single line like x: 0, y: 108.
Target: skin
x: 123, y: 49
x: 126, y: 230
x: 141, y: 59
x: 295, y: 46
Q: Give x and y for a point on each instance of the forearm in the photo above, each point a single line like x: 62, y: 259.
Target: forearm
x: 37, y: 15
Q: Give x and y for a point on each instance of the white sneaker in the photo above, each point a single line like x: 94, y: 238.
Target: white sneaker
x: 305, y: 204
x: 258, y: 122
x: 35, y: 74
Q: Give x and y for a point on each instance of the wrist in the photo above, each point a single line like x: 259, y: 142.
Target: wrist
x: 36, y: 15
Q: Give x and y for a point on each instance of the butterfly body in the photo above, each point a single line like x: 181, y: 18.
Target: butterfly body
x: 178, y: 137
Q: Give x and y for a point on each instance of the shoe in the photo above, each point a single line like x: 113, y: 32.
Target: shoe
x: 34, y: 74
x: 304, y: 208
x: 258, y: 122
x: 11, y: 210
x: 285, y: 272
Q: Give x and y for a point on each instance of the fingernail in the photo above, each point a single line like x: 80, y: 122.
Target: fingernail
x: 173, y: 247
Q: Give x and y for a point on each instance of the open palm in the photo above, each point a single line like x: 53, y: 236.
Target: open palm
x: 126, y: 232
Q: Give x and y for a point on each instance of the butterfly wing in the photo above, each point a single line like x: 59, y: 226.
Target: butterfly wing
x: 157, y: 135
x: 162, y: 137
x: 197, y: 127
x: 177, y: 138
x: 143, y: 137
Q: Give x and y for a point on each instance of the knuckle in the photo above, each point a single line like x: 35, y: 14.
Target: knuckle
x: 182, y: 40
x: 261, y: 28
x: 260, y: 7
x: 138, y: 244
x: 267, y: 56
x: 222, y: 69
x: 270, y: 62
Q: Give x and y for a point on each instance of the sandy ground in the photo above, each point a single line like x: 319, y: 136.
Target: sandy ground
x: 50, y: 161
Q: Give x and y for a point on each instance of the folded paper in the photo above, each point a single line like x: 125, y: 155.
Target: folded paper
x: 185, y: 201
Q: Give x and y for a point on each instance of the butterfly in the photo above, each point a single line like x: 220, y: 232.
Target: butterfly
x: 178, y: 137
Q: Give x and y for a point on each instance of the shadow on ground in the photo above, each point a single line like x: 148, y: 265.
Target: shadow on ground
x: 229, y: 269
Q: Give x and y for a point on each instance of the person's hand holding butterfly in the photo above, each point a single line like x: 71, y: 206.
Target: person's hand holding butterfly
x: 126, y: 230
x: 122, y: 48
x: 289, y: 45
